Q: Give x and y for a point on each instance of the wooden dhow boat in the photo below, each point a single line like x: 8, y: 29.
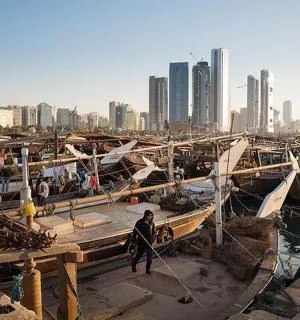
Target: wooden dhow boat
x: 102, y: 230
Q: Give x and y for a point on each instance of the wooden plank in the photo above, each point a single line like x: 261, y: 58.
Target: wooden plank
x: 18, y: 255
x: 90, y: 220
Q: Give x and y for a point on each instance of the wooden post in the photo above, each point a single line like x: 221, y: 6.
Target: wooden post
x: 218, y: 197
x: 32, y: 278
x: 170, y: 164
x: 32, y: 299
x: 67, y: 279
x: 55, y: 144
x: 96, y: 166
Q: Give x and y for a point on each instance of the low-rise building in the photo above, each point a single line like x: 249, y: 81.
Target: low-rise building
x: 6, y: 117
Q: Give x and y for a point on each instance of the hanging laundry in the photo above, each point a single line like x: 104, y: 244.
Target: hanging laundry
x: 51, y: 172
x: 93, y: 182
x: 86, y: 182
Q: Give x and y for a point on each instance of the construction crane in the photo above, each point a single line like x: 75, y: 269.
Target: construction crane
x: 72, y: 118
x: 191, y: 53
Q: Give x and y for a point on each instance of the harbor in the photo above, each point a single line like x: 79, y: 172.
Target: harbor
x: 219, y: 236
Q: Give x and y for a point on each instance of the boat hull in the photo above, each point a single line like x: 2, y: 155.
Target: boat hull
x: 98, y: 250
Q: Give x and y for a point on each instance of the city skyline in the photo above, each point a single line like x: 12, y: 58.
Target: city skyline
x: 82, y: 59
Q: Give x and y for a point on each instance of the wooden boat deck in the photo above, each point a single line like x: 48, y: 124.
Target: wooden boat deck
x: 121, y: 221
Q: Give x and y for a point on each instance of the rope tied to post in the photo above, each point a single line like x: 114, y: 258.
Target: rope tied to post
x: 17, y: 292
x: 80, y: 315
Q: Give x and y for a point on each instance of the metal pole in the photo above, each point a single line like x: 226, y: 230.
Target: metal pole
x: 25, y: 193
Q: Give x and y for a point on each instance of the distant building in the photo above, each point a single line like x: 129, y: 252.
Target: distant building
x: 17, y: 115
x: 266, y: 101
x: 178, y: 92
x: 201, y: 94
x: 32, y: 116
x: 276, y: 120
x: 45, y: 115
x: 130, y: 120
x: 287, y: 112
x: 74, y: 119
x: 103, y: 122
x: 112, y: 114
x: 6, y: 117
x: 253, y: 103
x: 93, y: 120
x: 29, y: 116
x: 244, y: 119
x: 220, y: 89
x: 83, y: 121
x: 158, y: 102
x: 144, y: 118
x: 63, y: 117
x: 25, y: 116
x: 236, y: 121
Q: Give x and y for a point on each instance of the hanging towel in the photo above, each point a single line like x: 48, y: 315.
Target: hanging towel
x: 93, y: 182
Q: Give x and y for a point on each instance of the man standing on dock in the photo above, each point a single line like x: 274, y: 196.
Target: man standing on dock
x: 143, y: 236
x: 43, y: 192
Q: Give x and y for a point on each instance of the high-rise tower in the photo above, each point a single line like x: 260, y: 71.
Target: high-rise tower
x: 287, y: 112
x: 158, y: 102
x: 252, y: 103
x: 201, y: 94
x: 179, y: 92
x: 266, y: 101
x: 220, y: 88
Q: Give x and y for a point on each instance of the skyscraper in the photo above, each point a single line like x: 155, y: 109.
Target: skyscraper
x: 158, y: 102
x: 63, y: 117
x: 252, y: 103
x: 144, y: 120
x: 17, y: 115
x: 45, y: 113
x: 220, y: 89
x: 287, y: 112
x: 266, y: 101
x: 201, y: 94
x: 112, y: 114
x: 179, y: 92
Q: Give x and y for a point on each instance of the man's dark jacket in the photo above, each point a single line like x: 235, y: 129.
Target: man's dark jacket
x: 145, y: 229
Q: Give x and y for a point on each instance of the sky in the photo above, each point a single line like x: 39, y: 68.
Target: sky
x: 86, y: 53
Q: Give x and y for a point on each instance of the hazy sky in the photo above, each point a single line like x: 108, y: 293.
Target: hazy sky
x: 87, y: 53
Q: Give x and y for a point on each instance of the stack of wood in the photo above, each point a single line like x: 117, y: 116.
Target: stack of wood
x: 15, y: 235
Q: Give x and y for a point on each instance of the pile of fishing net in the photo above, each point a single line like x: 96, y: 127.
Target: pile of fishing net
x: 249, y: 226
x: 246, y: 243
x: 182, y: 205
x: 243, y: 264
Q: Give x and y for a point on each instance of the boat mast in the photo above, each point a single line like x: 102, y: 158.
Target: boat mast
x: 171, y: 158
x: 25, y: 193
x: 96, y: 166
x: 218, y: 192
